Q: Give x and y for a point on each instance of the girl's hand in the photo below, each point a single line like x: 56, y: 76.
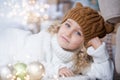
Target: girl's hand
x: 95, y: 42
x: 65, y: 72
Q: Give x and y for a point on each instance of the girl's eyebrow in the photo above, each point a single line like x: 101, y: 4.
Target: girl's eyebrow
x: 69, y: 21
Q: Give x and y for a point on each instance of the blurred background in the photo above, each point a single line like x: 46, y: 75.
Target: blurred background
x: 36, y: 14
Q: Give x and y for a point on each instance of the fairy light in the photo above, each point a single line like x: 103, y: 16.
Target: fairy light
x: 27, y: 77
x: 55, y: 77
x: 5, y: 3
x: 9, y: 76
x: 9, y: 4
x: 37, y: 6
x: 13, y: 77
x: 20, y: 10
x: 45, y: 17
x: 24, y: 4
x: 18, y: 78
x: 9, y: 65
x: 32, y: 2
x: 43, y: 74
x: 46, y: 6
x: 16, y: 6
x: 42, y: 9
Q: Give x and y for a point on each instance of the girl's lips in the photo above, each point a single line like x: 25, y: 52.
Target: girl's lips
x: 64, y: 38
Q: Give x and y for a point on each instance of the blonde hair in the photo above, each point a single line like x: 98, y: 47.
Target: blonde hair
x: 81, y: 59
x: 54, y: 28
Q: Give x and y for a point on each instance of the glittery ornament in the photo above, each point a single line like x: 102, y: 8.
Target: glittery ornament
x: 35, y: 70
x: 20, y: 70
x: 5, y: 73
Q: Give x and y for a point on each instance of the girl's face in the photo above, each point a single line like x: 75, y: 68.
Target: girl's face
x: 70, y: 35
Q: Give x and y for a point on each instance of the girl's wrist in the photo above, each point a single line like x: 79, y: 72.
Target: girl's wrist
x: 97, y: 45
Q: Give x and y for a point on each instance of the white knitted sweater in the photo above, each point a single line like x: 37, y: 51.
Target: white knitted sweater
x: 18, y: 45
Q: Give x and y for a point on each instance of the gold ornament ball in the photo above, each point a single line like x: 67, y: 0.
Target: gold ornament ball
x: 35, y: 70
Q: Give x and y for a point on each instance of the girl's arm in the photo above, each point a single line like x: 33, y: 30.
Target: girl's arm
x: 59, y: 69
x: 102, y: 67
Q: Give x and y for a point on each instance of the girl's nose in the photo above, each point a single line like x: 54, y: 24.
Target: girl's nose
x: 69, y: 33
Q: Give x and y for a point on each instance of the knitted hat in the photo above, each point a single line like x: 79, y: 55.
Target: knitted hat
x: 91, y: 23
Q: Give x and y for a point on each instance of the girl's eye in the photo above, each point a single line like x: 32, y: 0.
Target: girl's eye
x: 78, y: 33
x: 68, y: 25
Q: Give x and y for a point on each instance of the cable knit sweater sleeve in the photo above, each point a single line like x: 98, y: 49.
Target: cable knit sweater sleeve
x: 102, y: 67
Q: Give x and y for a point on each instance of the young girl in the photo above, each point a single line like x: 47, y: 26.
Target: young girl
x: 73, y: 48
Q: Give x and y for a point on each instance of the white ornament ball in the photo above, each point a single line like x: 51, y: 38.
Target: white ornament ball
x: 35, y: 70
x: 5, y: 73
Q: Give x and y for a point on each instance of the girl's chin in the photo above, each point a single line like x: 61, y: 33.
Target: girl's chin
x: 63, y: 45
x: 67, y: 49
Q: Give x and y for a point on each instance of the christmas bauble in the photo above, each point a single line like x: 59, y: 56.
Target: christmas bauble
x: 35, y: 70
x: 20, y: 70
x: 5, y: 73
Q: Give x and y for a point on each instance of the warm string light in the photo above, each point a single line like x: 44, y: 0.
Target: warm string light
x: 55, y: 77
x: 23, y: 8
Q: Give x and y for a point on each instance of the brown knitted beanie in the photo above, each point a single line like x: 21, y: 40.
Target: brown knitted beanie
x: 90, y: 21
